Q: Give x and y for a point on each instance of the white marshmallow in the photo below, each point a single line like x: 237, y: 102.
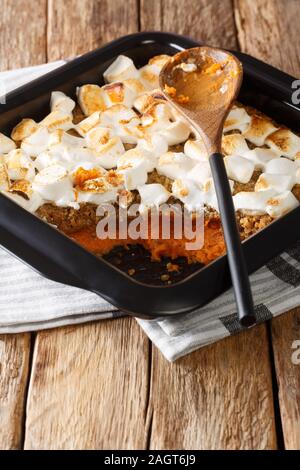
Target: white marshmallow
x: 84, y: 126
x: 37, y: 142
x: 98, y: 136
x: 149, y: 76
x: 196, y: 150
x: 278, y: 183
x: 54, y: 184
x: 209, y: 193
x: 200, y: 173
x: 134, y: 168
x: 19, y: 165
x: 60, y: 101
x: 176, y: 132
x: 237, y: 119
x: 59, y: 136
x: 259, y: 129
x: 121, y: 69
x: 238, y: 168
x: 234, y: 144
x: 285, y: 143
x: 252, y: 202
x: 124, y: 122
x: 174, y: 165
x: 153, y: 144
x: 277, y: 206
x: 281, y: 166
x: 24, y: 129
x: 109, y: 154
x: 6, y: 144
x: 91, y: 99
x: 57, y: 120
x: 260, y: 157
x: 189, y: 193
x: 152, y: 195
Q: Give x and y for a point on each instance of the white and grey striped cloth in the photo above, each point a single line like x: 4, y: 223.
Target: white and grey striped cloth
x: 276, y: 289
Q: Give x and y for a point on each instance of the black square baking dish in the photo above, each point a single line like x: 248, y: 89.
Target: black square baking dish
x: 57, y: 257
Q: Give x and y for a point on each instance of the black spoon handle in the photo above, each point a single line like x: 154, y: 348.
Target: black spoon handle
x: 236, y: 259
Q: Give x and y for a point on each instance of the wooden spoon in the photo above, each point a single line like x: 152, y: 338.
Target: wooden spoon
x: 201, y: 84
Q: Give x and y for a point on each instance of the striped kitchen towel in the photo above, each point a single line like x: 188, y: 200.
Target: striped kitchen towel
x: 30, y: 302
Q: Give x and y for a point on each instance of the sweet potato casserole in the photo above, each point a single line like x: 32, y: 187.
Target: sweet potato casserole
x: 123, y: 142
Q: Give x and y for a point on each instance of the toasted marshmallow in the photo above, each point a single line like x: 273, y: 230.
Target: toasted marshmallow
x: 174, y: 165
x: 31, y: 204
x: 157, y: 118
x: 196, y: 150
x: 152, y: 195
x: 149, y: 76
x: 84, y: 126
x: 277, y: 206
x: 98, y: 136
x: 121, y: 69
x: 153, y: 145
x: 237, y: 119
x: 159, y: 60
x: 109, y: 154
x: 97, y: 191
x: 176, y: 133
x: 259, y: 129
x: 61, y: 102
x: 4, y: 178
x: 124, y: 122
x: 189, y: 193
x: 252, y: 202
x: 134, y: 167
x: 278, y: 183
x: 57, y: 120
x: 54, y: 184
x: 59, y: 136
x: 91, y: 99
x: 234, y: 144
x: 200, y: 173
x: 86, y: 171
x: 37, y: 142
x: 260, y: 157
x: 24, y: 129
x: 21, y: 187
x: 6, y: 144
x: 238, y: 168
x: 281, y: 166
x: 19, y: 165
x: 285, y: 143
x: 147, y: 100
x: 118, y: 93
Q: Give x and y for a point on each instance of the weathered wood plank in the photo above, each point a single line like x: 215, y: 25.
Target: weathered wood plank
x: 89, y: 388
x: 268, y: 29
x: 209, y: 21
x: 14, y: 364
x: 75, y: 27
x: 23, y: 33
x: 23, y: 43
x: 219, y: 397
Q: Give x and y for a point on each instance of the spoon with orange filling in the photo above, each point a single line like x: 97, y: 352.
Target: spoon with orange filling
x: 201, y: 84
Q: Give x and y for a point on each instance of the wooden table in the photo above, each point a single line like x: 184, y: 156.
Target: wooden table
x: 103, y: 385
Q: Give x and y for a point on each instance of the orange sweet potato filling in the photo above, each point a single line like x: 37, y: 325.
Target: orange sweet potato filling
x: 212, y: 248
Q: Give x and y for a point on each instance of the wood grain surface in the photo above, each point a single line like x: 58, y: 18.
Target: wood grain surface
x: 268, y: 29
x: 103, y: 385
x: 14, y: 369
